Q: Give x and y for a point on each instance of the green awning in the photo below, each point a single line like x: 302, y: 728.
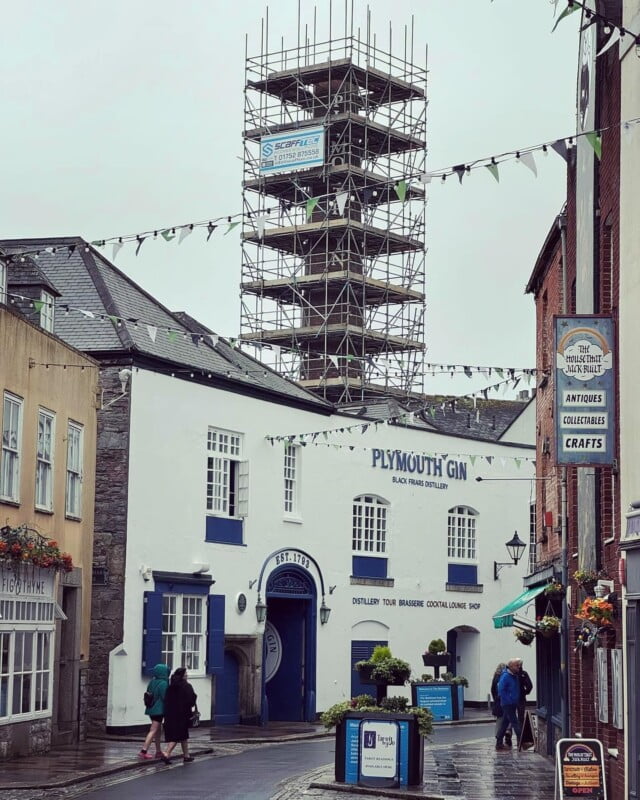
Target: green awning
x: 504, y: 617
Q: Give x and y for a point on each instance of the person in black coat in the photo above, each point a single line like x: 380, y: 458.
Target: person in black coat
x: 179, y: 702
x: 526, y: 687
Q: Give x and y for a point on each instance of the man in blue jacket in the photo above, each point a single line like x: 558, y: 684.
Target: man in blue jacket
x: 509, y: 694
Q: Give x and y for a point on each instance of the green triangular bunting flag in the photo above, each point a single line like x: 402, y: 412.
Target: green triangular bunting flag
x: 569, y: 10
x: 232, y: 225
x: 472, y: 459
x: 113, y: 319
x: 173, y: 335
x: 312, y: 202
x: 493, y: 169
x: 401, y: 190
x: 167, y: 235
x: 37, y: 304
x: 595, y: 140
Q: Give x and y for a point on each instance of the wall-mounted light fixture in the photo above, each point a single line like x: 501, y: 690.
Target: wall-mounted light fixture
x: 261, y: 611
x: 324, y: 613
x: 515, y: 547
x: 146, y: 572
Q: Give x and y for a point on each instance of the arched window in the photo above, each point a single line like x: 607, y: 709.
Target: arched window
x: 461, y: 538
x: 369, y: 532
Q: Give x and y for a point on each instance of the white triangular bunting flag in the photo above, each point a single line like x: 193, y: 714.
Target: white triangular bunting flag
x: 275, y: 348
x: 341, y: 201
x: 117, y: 247
x: 152, y: 331
x: 334, y: 361
x: 89, y: 314
x: 260, y: 223
x: 425, y: 178
x: 214, y: 338
x: 529, y: 161
x: 184, y: 232
x: 615, y: 36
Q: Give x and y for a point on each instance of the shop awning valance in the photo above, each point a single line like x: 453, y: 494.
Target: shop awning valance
x: 504, y: 617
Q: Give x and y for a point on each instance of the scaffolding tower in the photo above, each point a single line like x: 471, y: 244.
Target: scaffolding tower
x: 333, y: 246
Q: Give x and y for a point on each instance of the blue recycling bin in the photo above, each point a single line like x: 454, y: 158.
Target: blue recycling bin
x: 379, y: 750
x: 444, y: 700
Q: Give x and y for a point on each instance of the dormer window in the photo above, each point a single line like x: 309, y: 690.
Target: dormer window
x: 46, y: 311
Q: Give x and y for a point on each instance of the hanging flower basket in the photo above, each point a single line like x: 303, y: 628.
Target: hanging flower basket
x: 554, y: 590
x: 525, y: 637
x: 23, y: 546
x: 596, y: 610
x: 587, y: 579
x: 548, y: 626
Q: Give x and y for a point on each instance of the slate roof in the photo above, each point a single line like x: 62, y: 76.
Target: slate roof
x: 86, y: 280
x: 487, y: 421
x: 28, y: 273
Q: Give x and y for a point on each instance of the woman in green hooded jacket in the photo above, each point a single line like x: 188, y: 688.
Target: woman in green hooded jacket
x: 157, y: 687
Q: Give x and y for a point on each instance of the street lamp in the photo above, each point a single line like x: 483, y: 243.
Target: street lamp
x: 515, y: 547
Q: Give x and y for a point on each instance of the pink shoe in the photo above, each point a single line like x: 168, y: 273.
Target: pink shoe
x: 145, y: 756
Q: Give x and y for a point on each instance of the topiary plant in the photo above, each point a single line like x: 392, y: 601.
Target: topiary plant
x: 436, y: 647
x: 380, y: 653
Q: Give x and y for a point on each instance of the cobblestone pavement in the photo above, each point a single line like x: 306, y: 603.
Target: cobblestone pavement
x: 468, y: 771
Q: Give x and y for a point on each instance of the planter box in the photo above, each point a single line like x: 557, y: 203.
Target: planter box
x: 444, y: 700
x: 436, y: 661
x: 349, y: 767
x: 381, y: 686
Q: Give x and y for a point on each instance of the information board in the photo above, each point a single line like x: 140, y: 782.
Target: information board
x: 584, y: 390
x: 290, y: 151
x: 580, y: 765
x: 379, y: 751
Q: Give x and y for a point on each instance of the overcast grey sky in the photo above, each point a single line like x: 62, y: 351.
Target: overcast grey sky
x: 126, y: 115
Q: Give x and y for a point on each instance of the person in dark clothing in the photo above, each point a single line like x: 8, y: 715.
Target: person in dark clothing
x: 496, y: 707
x: 157, y: 687
x: 178, y: 705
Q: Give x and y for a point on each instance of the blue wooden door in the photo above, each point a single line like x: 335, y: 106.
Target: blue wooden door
x: 360, y: 651
x: 227, y: 692
x: 285, y: 691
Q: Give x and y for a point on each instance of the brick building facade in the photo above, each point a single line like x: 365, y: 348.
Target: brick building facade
x: 577, y: 273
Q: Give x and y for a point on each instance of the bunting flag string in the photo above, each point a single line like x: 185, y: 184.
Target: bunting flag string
x: 383, y: 366
x: 618, y: 32
x: 561, y: 146
x: 473, y: 457
x: 405, y: 417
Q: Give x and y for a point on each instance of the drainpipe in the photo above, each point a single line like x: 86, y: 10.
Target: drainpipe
x: 564, y: 641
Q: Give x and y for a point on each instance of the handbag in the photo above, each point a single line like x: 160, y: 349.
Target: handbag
x: 148, y: 698
x: 194, y: 719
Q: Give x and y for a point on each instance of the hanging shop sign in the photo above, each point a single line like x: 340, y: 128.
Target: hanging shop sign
x: 273, y: 651
x: 584, y: 390
x: 580, y: 769
x: 291, y: 151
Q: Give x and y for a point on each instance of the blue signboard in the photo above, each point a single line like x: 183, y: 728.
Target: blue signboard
x: 291, y: 150
x: 584, y: 390
x: 437, y: 699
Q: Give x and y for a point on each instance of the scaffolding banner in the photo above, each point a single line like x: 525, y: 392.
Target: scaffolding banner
x: 291, y: 151
x: 585, y: 391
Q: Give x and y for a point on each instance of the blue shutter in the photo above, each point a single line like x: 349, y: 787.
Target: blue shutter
x: 215, y: 635
x: 151, y: 631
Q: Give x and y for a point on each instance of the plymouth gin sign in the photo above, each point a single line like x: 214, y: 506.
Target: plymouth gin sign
x: 584, y: 390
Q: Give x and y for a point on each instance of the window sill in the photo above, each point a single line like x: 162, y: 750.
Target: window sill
x: 464, y: 587
x: 73, y: 518
x: 9, y: 502
x: 47, y: 511
x: 371, y: 581
x: 293, y: 519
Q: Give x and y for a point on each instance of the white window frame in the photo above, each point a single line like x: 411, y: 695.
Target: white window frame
x: 291, y: 476
x: 462, y: 532
x: 47, y: 311
x: 184, y: 632
x: 75, y: 458
x: 44, y: 461
x: 11, y: 450
x: 3, y: 282
x: 227, y: 477
x: 533, y: 542
x: 33, y: 622
x: 370, y: 525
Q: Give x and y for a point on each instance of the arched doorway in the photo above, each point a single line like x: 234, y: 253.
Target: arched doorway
x: 289, y: 652
x: 227, y: 707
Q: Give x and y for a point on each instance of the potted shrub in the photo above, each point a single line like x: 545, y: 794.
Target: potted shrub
x: 524, y: 636
x: 382, y: 669
x: 436, y: 655
x: 548, y: 626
